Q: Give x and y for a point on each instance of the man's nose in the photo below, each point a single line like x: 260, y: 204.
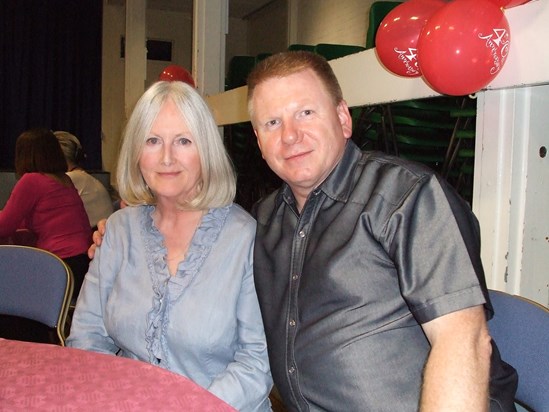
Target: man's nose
x: 290, y: 133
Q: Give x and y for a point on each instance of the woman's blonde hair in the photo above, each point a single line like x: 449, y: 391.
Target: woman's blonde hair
x: 218, y: 180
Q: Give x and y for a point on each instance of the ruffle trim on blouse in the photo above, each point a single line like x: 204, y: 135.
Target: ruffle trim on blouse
x: 168, y: 289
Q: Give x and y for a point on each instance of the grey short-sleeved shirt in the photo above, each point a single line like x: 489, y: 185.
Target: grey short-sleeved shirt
x: 380, y: 247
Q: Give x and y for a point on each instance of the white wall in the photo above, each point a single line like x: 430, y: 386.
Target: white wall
x: 112, y: 116
x: 318, y: 21
x: 333, y: 21
x: 171, y: 26
x: 161, y: 25
x: 236, y: 41
x: 267, y: 29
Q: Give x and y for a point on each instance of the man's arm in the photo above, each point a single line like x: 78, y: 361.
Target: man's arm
x: 97, y: 237
x: 457, y: 371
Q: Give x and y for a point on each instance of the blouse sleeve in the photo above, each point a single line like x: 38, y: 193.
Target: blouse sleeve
x: 18, y: 206
x: 246, y: 382
x: 88, y: 328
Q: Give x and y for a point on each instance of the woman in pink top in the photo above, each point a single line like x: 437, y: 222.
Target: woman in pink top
x: 45, y: 202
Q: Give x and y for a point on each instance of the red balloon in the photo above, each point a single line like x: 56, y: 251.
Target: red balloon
x: 174, y: 72
x: 506, y: 4
x: 463, y: 46
x: 398, y: 33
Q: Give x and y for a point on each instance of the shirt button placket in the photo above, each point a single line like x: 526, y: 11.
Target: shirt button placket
x: 299, y: 242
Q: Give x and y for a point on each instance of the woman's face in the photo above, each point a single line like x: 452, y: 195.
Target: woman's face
x: 170, y: 163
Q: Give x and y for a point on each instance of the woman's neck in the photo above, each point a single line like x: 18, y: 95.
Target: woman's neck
x: 178, y: 228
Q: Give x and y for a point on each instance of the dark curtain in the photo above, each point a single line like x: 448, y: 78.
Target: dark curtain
x: 50, y: 72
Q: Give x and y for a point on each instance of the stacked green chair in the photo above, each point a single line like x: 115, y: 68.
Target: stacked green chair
x: 437, y: 131
x: 261, y: 56
x: 378, y: 11
x: 239, y: 68
x: 238, y: 136
x: 306, y: 47
x: 335, y: 51
x: 459, y: 162
x: 416, y: 132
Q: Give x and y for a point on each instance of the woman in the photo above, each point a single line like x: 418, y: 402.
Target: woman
x: 96, y: 198
x: 45, y: 202
x: 172, y: 282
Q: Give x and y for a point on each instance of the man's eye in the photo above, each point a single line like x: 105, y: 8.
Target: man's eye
x: 307, y: 112
x: 272, y: 123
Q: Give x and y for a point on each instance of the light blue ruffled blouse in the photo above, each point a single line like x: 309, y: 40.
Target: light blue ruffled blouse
x: 203, y: 323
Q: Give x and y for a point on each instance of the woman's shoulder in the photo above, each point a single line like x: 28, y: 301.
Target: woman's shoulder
x: 126, y: 215
x: 127, y: 224
x: 33, y: 184
x: 226, y: 221
x: 30, y: 178
x: 238, y: 215
x: 46, y: 181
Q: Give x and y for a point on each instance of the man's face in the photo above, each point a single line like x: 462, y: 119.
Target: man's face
x: 300, y: 131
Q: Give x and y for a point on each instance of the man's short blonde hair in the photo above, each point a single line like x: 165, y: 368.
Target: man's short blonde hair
x: 290, y: 62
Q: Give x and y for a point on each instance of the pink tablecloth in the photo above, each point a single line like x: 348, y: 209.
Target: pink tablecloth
x: 40, y: 377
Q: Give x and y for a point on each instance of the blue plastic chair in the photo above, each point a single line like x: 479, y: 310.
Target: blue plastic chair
x: 35, y: 284
x: 520, y: 328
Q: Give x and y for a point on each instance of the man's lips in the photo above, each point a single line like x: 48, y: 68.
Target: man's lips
x: 297, y: 156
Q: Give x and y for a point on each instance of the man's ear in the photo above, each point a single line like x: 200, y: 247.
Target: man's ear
x: 345, y: 119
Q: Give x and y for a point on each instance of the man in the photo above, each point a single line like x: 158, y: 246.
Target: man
x: 367, y: 267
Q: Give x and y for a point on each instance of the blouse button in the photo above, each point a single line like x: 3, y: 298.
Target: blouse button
x: 295, y: 277
x: 301, y: 233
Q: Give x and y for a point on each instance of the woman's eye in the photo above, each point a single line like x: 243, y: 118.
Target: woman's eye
x: 182, y: 141
x: 152, y: 141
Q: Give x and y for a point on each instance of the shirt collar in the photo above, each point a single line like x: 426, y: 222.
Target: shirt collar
x: 338, y: 183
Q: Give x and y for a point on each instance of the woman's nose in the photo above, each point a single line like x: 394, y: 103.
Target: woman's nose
x: 167, y: 157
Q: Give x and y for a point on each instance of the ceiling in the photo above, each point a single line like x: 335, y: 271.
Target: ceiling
x: 237, y: 8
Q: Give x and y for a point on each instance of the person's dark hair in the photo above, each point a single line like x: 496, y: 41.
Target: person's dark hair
x: 290, y: 62
x: 38, y: 151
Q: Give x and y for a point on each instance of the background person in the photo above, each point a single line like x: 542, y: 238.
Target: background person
x: 172, y: 283
x: 96, y: 198
x: 45, y: 203
x: 367, y: 266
